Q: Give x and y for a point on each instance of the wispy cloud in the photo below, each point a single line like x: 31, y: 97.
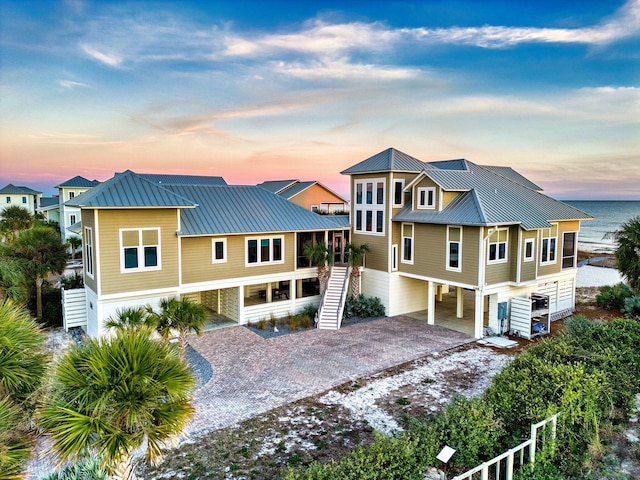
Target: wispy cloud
x: 111, y: 59
x: 71, y: 84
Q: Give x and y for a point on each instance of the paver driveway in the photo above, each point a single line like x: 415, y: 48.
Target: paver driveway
x: 252, y: 375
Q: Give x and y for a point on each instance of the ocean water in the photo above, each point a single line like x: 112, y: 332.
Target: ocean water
x: 608, y: 217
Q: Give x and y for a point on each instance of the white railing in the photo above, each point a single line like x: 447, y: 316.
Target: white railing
x: 343, y: 296
x: 492, y: 469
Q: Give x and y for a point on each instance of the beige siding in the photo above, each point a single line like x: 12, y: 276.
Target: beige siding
x: 315, y: 195
x: 556, y: 267
x: 377, y: 258
x: 430, y: 254
x: 88, y: 221
x: 497, y: 273
x: 408, y: 178
x: 448, y: 197
x: 197, y: 265
x: 425, y: 183
x: 113, y: 280
x: 528, y: 269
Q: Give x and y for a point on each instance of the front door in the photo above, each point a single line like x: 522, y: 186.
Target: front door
x: 338, y: 248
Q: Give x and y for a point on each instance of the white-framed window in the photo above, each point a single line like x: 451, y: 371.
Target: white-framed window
x: 264, y: 250
x: 24, y: 199
x: 369, y: 206
x: 71, y: 195
x: 427, y: 198
x: 88, y: 250
x: 498, y: 242
x: 139, y: 249
x: 454, y: 249
x: 72, y: 219
x: 407, y: 243
x: 529, y: 249
x: 548, y: 245
x: 219, y: 250
x: 398, y: 192
x: 394, y: 257
x: 569, y: 249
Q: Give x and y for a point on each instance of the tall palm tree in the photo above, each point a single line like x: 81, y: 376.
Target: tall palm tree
x: 44, y: 253
x: 183, y: 315
x: 628, y: 251
x: 111, y: 396
x: 320, y: 256
x: 356, y: 256
x: 131, y: 317
x: 13, y: 220
x: 74, y: 242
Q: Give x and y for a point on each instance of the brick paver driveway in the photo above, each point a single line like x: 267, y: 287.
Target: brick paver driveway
x: 252, y: 375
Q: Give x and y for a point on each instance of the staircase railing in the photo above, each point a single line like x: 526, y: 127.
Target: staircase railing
x: 343, y: 295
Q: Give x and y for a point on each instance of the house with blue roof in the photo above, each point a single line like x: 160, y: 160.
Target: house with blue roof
x: 484, y: 238
x: 237, y: 250
x: 311, y: 195
x: 16, y: 195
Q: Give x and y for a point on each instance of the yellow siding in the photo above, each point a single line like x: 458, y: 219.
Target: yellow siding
x: 496, y: 273
x: 448, y: 197
x: 556, y: 267
x: 87, y: 221
x: 528, y: 269
x: 197, y: 263
x: 315, y: 195
x: 109, y: 223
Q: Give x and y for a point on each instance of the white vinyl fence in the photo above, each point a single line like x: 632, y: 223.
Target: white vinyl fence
x: 503, y: 466
x: 74, y: 308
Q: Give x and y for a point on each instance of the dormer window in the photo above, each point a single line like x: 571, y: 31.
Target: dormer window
x: 427, y: 197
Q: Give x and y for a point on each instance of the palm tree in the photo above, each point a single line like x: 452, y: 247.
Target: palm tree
x: 13, y: 220
x: 74, y: 242
x: 319, y: 255
x: 182, y: 315
x: 628, y: 251
x: 131, y: 317
x: 356, y: 256
x: 13, y: 283
x: 44, y: 253
x: 111, y: 396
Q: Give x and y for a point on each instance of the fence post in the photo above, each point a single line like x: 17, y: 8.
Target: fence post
x: 509, y: 466
x: 532, y: 447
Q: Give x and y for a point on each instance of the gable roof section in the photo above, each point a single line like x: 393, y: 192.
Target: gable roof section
x: 245, y: 209
x: 12, y: 189
x: 168, y: 179
x: 514, y: 176
x: 387, y: 160
x: 78, y: 181
x: 277, y: 186
x: 129, y: 190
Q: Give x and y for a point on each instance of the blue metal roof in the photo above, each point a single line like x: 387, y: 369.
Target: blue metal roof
x: 46, y: 202
x: 12, y: 189
x: 78, y: 181
x: 276, y: 186
x: 294, y: 190
x: 511, y: 174
x: 388, y: 160
x: 167, y: 179
x: 246, y: 209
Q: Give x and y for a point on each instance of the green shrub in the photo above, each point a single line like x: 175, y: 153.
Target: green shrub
x: 542, y: 470
x: 632, y: 307
x: 70, y: 282
x: 613, y: 296
x: 310, y: 311
x: 86, y: 470
x: 363, y: 307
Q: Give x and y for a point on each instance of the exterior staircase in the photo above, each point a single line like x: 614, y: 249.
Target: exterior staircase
x: 332, y: 303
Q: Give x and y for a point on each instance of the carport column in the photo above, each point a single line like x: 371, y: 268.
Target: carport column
x: 459, y: 302
x: 240, y: 290
x: 431, y: 304
x: 479, y: 315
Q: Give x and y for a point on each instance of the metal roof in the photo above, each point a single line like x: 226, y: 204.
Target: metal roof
x: 49, y: 202
x: 12, y: 189
x: 465, y: 209
x: 168, y: 179
x: 387, y: 160
x: 129, y: 189
x: 511, y: 174
x: 246, y: 209
x: 276, y: 186
x: 294, y: 190
x: 457, y: 164
x: 78, y: 181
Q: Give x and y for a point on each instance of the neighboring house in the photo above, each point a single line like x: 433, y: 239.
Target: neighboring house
x: 50, y: 209
x: 311, y: 195
x: 69, y: 215
x: 454, y: 226
x: 24, y: 197
x: 238, y: 250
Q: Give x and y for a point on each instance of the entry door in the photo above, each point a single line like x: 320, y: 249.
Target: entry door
x: 338, y: 248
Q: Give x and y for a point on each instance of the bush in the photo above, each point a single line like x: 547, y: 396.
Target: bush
x: 86, y: 470
x: 632, y: 307
x: 363, y: 307
x: 613, y: 296
x: 310, y: 311
x: 70, y: 282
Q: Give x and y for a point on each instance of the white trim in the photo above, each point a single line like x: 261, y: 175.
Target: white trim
x: 575, y: 251
x: 140, y: 250
x: 394, y: 257
x: 374, y: 207
x: 531, y: 241
x: 426, y: 205
x: 497, y: 244
x: 259, y: 261
x: 96, y: 250
x: 393, y: 193
x: 448, y: 252
x: 213, y: 250
x: 413, y: 245
x: 548, y: 249
x: 89, y: 258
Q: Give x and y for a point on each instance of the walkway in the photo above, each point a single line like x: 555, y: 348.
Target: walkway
x: 252, y: 375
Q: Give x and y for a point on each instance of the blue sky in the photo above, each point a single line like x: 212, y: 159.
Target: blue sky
x: 265, y: 90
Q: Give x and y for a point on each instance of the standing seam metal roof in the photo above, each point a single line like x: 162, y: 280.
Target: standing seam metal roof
x: 78, y: 181
x: 12, y: 189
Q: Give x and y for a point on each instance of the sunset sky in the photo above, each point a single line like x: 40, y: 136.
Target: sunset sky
x: 260, y: 90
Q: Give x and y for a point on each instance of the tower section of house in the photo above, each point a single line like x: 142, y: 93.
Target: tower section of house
x: 25, y: 197
x: 68, y: 214
x: 311, y: 195
x: 237, y: 250
x: 478, y: 235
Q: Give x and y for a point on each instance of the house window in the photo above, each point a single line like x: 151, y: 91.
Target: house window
x: 548, y: 245
x: 394, y: 257
x: 219, y: 250
x: 498, y: 246
x: 265, y: 250
x: 72, y: 219
x: 314, y: 208
x: 454, y: 249
x: 370, y: 213
x: 569, y: 249
x: 398, y: 188
x: 407, y: 243
x: 528, y: 250
x: 71, y: 195
x: 427, y: 197
x: 24, y: 199
x: 88, y: 250
x: 140, y: 249
x: 8, y: 199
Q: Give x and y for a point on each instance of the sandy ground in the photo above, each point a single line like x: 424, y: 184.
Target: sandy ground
x: 591, y: 276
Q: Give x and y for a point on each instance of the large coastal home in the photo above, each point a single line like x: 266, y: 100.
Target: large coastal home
x: 311, y: 195
x: 456, y: 229
x: 25, y: 197
x: 238, y: 250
